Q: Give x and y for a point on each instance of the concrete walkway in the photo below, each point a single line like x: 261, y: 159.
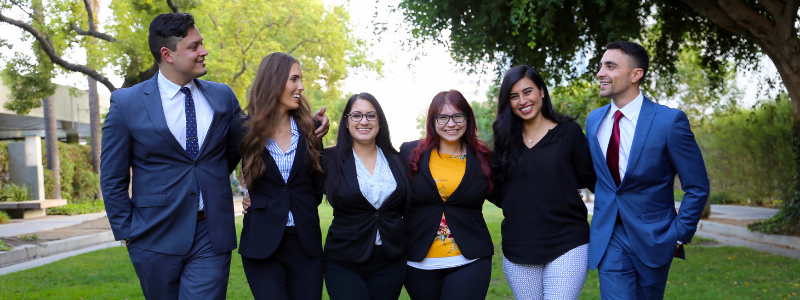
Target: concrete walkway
x: 29, y: 256
x: 731, y: 212
x: 59, y: 237
x: 735, y: 212
x: 727, y: 225
x: 21, y: 226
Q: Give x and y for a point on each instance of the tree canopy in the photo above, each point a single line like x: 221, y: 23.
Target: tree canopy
x: 553, y: 36
x: 236, y: 33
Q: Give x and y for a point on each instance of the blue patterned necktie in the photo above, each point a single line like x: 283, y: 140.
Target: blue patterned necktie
x: 192, y: 145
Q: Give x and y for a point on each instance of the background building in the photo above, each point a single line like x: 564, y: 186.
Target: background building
x: 72, y: 115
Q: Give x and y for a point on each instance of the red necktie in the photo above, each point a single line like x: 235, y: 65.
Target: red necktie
x: 612, y: 154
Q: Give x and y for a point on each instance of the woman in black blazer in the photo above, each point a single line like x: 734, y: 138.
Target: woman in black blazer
x: 450, y: 247
x: 281, y: 242
x: 364, y: 183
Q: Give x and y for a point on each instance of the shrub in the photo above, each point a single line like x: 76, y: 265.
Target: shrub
x: 78, y: 180
x: 49, y: 184
x: 14, y: 193
x: 4, y: 218
x: 748, y: 152
x: 724, y: 198
x: 677, y: 194
x: 3, y: 246
x: 85, y: 185
x: 84, y: 206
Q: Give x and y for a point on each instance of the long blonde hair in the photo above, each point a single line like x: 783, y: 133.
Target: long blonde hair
x: 264, y: 110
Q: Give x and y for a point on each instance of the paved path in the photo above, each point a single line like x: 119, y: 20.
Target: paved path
x: 20, y: 226
x: 731, y: 212
x: 734, y: 212
x: 738, y: 242
x: 80, y: 237
x: 731, y: 238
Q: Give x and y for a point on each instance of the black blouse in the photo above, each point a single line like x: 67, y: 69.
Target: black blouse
x: 544, y: 214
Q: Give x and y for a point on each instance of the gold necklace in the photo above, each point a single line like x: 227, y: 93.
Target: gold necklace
x: 530, y: 139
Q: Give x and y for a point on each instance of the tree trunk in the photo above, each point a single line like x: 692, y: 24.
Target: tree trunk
x: 94, y: 124
x: 51, y: 143
x: 94, y: 100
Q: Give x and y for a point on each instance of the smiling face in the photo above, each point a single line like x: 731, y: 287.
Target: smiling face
x: 451, y: 132
x: 526, y: 99
x: 188, y: 59
x: 363, y: 131
x: 617, y: 76
x: 290, y: 98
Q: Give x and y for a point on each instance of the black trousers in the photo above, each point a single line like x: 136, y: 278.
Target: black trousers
x: 470, y: 281
x: 380, y: 277
x: 286, y: 275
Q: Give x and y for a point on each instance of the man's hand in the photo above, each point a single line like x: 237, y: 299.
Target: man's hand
x: 245, y: 203
x: 678, y: 245
x: 320, y: 116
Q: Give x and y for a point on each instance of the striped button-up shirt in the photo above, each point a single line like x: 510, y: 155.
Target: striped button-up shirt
x: 283, y: 159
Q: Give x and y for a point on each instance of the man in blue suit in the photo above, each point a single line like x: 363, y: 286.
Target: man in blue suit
x: 638, y: 147
x: 169, y: 134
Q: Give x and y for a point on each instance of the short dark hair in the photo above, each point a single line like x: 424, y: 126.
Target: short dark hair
x: 166, y: 30
x: 637, y: 53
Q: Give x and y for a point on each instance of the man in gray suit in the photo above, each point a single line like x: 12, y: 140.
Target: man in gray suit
x: 171, y: 132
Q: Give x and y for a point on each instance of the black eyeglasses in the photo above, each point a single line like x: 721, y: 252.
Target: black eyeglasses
x: 357, y: 116
x: 444, y: 119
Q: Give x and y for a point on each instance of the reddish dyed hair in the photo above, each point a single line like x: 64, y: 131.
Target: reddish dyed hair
x: 469, y: 139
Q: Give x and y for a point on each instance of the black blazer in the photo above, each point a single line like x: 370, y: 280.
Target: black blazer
x: 351, y: 237
x: 463, y: 209
x: 272, y: 199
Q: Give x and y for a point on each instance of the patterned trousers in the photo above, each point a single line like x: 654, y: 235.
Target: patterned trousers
x: 562, y: 278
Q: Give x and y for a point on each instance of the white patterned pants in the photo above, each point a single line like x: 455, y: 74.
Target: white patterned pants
x: 562, y: 278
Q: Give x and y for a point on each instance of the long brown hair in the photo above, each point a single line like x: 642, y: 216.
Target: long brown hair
x: 263, y: 107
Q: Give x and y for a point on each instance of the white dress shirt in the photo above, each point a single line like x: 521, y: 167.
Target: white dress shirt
x: 627, y: 127
x: 376, y: 187
x: 284, y: 160
x: 172, y: 100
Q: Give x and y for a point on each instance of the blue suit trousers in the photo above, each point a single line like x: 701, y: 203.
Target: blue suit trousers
x: 200, y: 274
x: 624, y: 276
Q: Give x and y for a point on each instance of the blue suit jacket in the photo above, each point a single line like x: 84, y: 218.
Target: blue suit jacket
x: 161, y: 214
x: 663, y: 145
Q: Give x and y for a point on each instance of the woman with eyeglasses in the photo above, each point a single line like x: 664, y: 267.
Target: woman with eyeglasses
x: 365, y: 184
x: 540, y: 160
x: 450, y: 248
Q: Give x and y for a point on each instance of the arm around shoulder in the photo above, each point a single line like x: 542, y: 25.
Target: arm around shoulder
x: 582, y: 159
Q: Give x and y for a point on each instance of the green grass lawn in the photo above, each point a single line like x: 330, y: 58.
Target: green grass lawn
x: 710, y: 273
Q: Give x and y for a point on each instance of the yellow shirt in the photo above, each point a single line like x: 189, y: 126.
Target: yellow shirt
x: 447, y: 171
